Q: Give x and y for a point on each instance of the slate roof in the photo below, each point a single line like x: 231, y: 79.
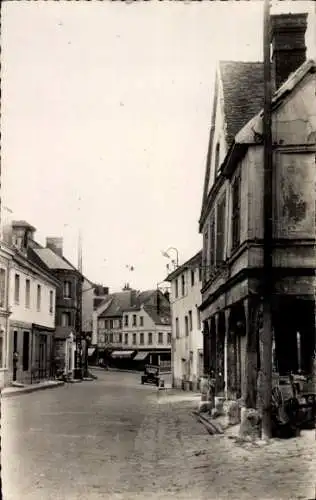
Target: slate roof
x: 120, y: 301
x: 159, y: 317
x: 51, y: 259
x: 243, y: 93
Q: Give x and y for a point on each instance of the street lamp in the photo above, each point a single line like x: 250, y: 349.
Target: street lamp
x: 166, y: 254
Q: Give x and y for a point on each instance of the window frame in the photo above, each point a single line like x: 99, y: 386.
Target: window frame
x: 3, y: 286
x: 51, y: 301
x: 38, y: 297
x: 235, y: 215
x: 17, y: 289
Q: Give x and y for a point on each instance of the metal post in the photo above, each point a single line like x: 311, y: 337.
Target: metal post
x: 266, y: 336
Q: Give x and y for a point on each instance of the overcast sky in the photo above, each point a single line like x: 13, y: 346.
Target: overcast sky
x: 111, y: 103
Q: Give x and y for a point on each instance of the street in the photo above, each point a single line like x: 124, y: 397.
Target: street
x: 116, y: 439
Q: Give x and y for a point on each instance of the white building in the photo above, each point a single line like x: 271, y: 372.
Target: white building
x: 32, y: 299
x: 187, y: 338
x: 135, y: 328
x: 6, y: 255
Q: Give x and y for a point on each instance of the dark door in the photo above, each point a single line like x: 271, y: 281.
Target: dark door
x: 42, y: 356
x: 15, y: 350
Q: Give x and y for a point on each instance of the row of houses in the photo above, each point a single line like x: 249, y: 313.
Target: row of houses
x: 132, y: 328
x: 46, y: 308
x: 229, y: 292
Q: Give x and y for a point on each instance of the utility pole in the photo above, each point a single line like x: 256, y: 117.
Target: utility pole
x: 79, y: 302
x: 265, y: 334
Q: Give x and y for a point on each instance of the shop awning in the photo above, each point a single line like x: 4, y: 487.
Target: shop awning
x: 121, y: 354
x: 91, y: 351
x: 141, y: 355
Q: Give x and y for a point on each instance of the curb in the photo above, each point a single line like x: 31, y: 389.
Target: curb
x: 26, y: 390
x: 211, y: 426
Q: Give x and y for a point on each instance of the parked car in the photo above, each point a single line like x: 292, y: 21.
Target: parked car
x: 152, y: 376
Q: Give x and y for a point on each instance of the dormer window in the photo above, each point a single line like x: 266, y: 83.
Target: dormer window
x: 217, y: 153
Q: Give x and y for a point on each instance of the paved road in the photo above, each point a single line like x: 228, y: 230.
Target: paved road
x: 115, y: 439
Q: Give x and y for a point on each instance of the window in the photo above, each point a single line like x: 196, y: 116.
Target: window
x: 39, y: 297
x: 111, y: 324
x: 190, y: 321
x: 204, y: 255
x: 220, y: 230
x: 126, y: 320
x: 150, y: 338
x: 141, y: 339
x: 106, y: 338
x: 17, y: 288
x: 217, y: 155
x: 51, y: 301
x: 120, y: 338
x: 65, y: 319
x: 2, y: 287
x: 105, y: 324
x: 67, y: 289
x: 186, y: 325
x: 126, y: 338
x: 176, y: 288
x: 141, y: 320
x: 212, y: 241
x: 169, y: 338
x: 236, y: 212
x: 27, y: 292
x: 26, y: 347
x: 198, y: 317
x: 160, y: 338
x: 134, y: 319
x: 183, y: 284
x: 1, y: 348
x: 192, y: 277
x: 15, y: 341
x: 111, y: 338
x: 200, y: 273
x: 177, y: 328
x: 120, y: 324
x: 134, y: 338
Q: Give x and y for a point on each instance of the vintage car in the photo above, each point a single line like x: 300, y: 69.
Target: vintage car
x: 152, y: 376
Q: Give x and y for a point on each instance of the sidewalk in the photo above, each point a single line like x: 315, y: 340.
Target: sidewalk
x: 16, y: 390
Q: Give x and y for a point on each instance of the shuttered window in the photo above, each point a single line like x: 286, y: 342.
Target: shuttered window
x: 236, y: 213
x: 220, y: 230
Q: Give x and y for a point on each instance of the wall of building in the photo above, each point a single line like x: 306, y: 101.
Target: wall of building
x: 5, y: 259
x: 148, y: 326
x: 186, y: 349
x: 31, y: 314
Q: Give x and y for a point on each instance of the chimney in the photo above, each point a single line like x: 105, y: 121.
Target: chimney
x: 55, y: 244
x: 288, y: 45
x: 22, y: 233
